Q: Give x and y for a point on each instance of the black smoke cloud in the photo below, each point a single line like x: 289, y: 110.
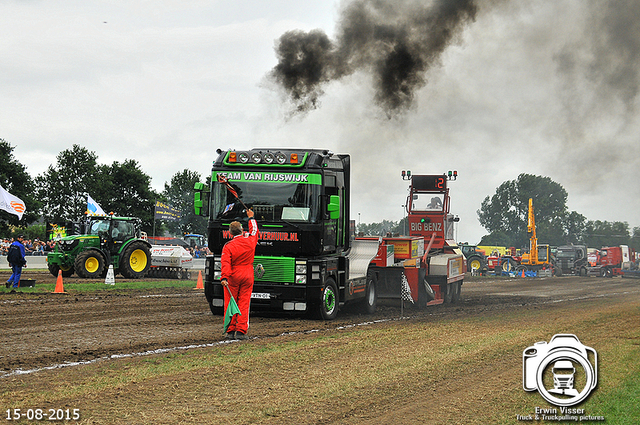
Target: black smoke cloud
x: 397, y: 42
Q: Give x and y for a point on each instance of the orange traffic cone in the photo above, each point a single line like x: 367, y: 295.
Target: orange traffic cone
x: 199, y: 285
x: 522, y: 273
x: 59, y: 286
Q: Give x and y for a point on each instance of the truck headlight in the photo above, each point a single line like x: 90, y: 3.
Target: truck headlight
x: 301, y: 279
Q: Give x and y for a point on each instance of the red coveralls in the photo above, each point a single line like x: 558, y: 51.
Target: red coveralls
x: 237, y: 268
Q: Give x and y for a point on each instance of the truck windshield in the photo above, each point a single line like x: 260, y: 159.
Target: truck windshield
x: 270, y: 201
x: 426, y: 202
x: 565, y: 254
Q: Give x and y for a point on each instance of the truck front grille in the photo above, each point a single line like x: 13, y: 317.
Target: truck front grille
x: 274, y: 269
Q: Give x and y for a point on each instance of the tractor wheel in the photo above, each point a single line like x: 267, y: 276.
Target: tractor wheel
x: 370, y: 302
x: 474, y: 262
x: 66, y: 271
x: 89, y: 264
x: 508, y: 265
x: 135, y: 260
x: 328, y: 307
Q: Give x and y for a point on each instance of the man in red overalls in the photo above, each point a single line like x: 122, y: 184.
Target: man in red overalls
x: 237, y: 273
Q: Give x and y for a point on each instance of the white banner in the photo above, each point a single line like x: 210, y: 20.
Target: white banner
x: 93, y: 208
x: 11, y: 204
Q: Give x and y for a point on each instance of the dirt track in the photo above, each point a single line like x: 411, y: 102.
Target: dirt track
x: 47, y: 329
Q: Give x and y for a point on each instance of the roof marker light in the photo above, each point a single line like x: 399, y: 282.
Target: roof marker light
x: 269, y: 158
x: 281, y: 158
x: 256, y: 158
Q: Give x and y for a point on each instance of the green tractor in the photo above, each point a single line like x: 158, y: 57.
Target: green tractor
x: 103, y: 241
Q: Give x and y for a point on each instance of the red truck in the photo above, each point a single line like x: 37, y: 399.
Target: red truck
x: 609, y: 261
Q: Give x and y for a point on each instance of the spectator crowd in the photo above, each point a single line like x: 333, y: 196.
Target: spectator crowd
x: 31, y: 247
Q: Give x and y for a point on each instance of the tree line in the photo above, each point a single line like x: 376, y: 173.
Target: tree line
x: 59, y: 194
x: 505, y: 217
x: 122, y: 187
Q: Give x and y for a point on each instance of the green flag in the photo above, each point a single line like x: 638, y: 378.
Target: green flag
x: 232, y: 309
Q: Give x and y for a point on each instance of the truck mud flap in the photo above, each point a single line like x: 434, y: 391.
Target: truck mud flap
x: 429, y: 290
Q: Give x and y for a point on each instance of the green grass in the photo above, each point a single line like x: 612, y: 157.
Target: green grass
x: 101, y: 286
x: 621, y: 403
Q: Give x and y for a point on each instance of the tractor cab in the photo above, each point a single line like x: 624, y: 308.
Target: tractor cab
x: 428, y: 209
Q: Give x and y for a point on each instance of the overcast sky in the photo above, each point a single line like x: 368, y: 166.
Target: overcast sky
x: 547, y: 88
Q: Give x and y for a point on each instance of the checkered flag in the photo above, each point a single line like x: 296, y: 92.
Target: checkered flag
x: 405, y: 290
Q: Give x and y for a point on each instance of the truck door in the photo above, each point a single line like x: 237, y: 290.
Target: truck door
x: 330, y: 231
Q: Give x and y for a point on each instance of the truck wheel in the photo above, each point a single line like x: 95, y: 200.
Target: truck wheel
x: 370, y: 302
x: 89, y: 264
x: 328, y: 308
x: 448, y: 296
x: 135, y: 261
x: 457, y: 287
x: 474, y: 262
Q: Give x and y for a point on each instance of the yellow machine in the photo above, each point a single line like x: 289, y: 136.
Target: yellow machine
x: 539, y: 256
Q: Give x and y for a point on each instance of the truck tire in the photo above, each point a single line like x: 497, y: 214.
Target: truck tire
x: 448, y: 295
x: 328, y: 308
x: 135, y: 260
x: 370, y: 302
x: 66, y: 272
x: 457, y: 287
x: 89, y: 264
x: 475, y: 262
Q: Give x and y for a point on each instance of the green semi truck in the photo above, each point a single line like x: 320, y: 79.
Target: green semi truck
x: 305, y: 259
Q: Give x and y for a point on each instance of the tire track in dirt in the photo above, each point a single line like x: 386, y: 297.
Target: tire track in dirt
x: 48, y: 330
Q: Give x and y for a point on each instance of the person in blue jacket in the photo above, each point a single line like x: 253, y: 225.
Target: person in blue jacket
x: 16, y: 260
